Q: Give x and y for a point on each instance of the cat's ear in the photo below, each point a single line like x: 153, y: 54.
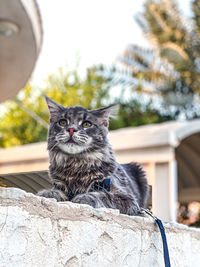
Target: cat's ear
x: 104, y: 114
x: 54, y: 109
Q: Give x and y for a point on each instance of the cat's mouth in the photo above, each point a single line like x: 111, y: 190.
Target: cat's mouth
x: 71, y: 141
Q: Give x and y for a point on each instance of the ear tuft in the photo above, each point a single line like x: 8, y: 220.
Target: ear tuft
x: 105, y: 123
x: 105, y: 113
x: 54, y: 108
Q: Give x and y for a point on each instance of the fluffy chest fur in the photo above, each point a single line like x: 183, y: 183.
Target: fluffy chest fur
x: 77, y: 174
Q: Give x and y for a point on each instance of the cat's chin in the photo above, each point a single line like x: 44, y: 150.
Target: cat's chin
x: 71, y: 148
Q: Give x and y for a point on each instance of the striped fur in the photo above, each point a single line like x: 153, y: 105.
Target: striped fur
x: 88, y: 157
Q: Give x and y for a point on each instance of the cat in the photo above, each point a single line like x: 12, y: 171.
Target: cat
x: 82, y: 162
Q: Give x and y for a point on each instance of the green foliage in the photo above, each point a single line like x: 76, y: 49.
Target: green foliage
x: 17, y: 127
x: 25, y: 119
x: 136, y: 113
x: 70, y: 90
x: 171, y: 68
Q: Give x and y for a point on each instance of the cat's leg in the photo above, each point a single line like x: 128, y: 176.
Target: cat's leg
x: 53, y: 193
x: 125, y: 204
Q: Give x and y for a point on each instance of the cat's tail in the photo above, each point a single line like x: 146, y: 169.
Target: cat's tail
x: 139, y: 175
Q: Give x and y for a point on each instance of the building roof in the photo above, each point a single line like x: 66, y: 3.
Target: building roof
x: 167, y: 133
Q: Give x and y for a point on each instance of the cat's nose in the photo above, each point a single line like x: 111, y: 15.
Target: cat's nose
x: 71, y: 131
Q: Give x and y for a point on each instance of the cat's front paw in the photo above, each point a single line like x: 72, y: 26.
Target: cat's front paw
x: 56, y: 194
x: 88, y: 199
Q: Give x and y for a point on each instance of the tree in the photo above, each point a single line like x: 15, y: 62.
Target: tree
x: 134, y: 112
x: 25, y: 119
x: 170, y: 69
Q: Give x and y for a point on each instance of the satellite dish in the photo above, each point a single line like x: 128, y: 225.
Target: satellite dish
x: 20, y: 44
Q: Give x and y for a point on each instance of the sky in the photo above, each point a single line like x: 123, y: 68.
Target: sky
x: 91, y: 31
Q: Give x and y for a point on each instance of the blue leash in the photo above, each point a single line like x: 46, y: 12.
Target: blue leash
x: 105, y: 185
x: 164, y: 239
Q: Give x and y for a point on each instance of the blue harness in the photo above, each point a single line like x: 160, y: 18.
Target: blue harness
x: 100, y: 186
x: 96, y: 187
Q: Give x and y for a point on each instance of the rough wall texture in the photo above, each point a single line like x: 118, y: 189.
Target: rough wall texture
x: 40, y: 232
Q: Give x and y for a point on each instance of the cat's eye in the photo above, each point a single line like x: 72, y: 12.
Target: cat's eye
x: 86, y: 124
x: 62, y: 123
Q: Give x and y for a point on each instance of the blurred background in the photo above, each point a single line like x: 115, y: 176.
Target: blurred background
x: 145, y: 55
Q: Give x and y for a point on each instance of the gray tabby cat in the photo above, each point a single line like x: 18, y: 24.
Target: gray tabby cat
x: 81, y: 159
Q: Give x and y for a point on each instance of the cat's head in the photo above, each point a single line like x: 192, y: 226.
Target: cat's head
x: 76, y: 130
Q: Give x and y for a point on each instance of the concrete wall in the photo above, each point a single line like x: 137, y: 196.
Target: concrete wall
x: 40, y: 232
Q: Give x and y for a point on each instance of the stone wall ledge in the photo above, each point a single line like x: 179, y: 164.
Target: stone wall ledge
x: 35, y: 231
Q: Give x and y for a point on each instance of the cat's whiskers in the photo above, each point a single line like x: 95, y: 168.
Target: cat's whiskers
x: 81, y: 139
x: 63, y: 139
x: 62, y: 136
x: 53, y: 146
